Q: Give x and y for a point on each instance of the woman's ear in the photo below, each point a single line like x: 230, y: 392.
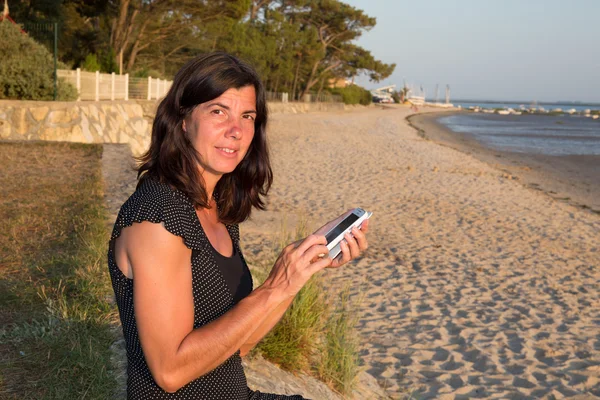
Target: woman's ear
x: 183, y: 126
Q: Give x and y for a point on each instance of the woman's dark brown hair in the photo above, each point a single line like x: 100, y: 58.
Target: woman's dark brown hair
x: 172, y: 158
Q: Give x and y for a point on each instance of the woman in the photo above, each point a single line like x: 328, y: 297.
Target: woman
x: 193, y: 312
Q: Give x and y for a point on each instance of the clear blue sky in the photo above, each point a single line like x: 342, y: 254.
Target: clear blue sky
x: 544, y: 50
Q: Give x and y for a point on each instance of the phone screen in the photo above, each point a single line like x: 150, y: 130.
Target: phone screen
x: 341, y: 227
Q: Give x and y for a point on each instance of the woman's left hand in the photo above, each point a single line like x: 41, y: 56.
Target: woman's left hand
x: 353, y: 244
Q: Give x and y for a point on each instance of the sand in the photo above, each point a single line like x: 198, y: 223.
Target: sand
x: 574, y: 179
x: 474, y: 285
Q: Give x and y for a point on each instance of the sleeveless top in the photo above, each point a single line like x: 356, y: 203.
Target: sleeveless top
x: 157, y: 202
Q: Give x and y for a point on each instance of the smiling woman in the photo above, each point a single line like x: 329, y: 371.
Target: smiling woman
x: 192, y: 312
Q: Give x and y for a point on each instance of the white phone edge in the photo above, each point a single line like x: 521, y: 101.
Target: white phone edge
x: 336, y: 249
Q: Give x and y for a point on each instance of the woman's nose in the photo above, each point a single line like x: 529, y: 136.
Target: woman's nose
x: 235, y: 129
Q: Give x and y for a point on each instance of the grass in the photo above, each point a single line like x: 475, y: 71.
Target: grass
x: 317, y: 335
x: 55, y: 335
x: 339, y: 363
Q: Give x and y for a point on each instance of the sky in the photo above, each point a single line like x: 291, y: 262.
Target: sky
x: 524, y: 50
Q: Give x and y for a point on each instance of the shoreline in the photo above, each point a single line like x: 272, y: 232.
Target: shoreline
x: 563, y: 178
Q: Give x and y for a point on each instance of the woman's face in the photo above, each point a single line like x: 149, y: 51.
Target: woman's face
x: 221, y: 131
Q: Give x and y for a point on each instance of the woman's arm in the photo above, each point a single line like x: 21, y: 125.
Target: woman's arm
x: 164, y: 309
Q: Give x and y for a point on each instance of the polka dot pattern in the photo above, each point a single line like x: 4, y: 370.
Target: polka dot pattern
x: 157, y: 202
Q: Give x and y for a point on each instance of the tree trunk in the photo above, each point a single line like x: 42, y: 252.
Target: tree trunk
x: 311, y: 81
x: 296, y: 77
x: 136, y: 46
x: 320, y: 88
x: 119, y: 26
x: 276, y: 83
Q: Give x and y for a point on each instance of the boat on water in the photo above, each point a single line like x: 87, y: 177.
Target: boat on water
x: 416, y: 100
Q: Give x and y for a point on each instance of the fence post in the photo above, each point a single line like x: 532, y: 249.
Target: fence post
x: 78, y: 83
x: 112, y: 86
x: 127, y: 86
x: 149, y: 88
x: 157, y: 87
x: 97, y: 85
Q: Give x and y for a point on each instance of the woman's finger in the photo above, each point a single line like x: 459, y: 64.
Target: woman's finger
x: 315, y: 252
x: 361, y: 239
x: 352, y: 245
x: 310, y: 241
x: 364, y: 227
x: 344, y: 256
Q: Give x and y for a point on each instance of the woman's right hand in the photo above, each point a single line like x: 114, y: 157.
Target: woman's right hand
x: 297, y: 263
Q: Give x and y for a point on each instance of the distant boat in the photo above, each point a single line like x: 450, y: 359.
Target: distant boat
x: 503, y: 112
x: 417, y: 100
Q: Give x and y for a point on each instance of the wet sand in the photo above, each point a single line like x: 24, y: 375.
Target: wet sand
x: 574, y: 178
x: 473, y: 286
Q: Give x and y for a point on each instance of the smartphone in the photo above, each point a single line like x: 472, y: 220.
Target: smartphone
x: 336, y: 234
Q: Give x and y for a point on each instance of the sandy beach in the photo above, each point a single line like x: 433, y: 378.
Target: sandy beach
x: 474, y: 285
x: 574, y: 179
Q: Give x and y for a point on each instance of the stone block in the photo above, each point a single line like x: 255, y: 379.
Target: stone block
x: 85, y: 127
x: 56, y: 133
x: 140, y: 126
x: 93, y: 112
x: 5, y: 129
x: 102, y: 115
x: 19, y: 121
x: 99, y: 132
x: 39, y: 113
x: 111, y: 136
x: 77, y: 135
x: 59, y: 117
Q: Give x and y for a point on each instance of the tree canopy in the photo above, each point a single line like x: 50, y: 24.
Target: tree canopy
x: 298, y: 46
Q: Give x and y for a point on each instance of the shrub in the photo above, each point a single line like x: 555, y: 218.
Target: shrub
x: 353, y: 94
x: 27, y: 68
x: 91, y: 63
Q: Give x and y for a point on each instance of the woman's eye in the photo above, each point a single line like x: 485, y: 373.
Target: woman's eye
x: 217, y: 112
x: 249, y: 116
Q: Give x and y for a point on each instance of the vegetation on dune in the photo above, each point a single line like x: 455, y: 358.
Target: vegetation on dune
x: 353, y: 94
x: 317, y: 335
x: 298, y: 46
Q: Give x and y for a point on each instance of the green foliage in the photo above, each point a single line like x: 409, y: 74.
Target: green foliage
x: 108, y: 61
x: 27, y: 68
x: 297, y: 45
x: 339, y: 362
x: 354, y: 94
x: 293, y: 340
x: 91, y: 63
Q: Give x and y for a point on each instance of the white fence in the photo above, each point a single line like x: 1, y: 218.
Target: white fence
x: 95, y: 86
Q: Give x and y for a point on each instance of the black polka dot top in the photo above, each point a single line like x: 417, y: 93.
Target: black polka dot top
x: 157, y: 202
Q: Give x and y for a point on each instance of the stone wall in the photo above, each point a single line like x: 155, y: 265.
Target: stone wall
x: 85, y: 122
x: 102, y: 121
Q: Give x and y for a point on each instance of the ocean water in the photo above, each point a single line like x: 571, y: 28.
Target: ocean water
x: 537, y: 134
x: 579, y: 107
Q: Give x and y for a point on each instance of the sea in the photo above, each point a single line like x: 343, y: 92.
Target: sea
x: 554, y: 135
x: 579, y: 107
